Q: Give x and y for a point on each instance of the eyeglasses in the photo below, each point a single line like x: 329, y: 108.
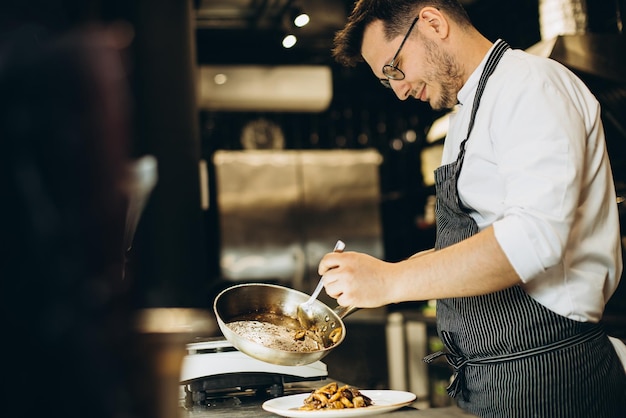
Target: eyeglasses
x: 391, y: 71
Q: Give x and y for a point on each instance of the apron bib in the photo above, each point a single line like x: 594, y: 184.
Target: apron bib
x: 511, y: 356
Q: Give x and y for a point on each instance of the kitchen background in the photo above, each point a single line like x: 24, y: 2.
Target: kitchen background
x: 256, y: 180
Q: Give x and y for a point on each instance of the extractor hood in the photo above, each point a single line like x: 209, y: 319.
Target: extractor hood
x: 600, y: 61
x: 262, y: 88
x: 598, y: 54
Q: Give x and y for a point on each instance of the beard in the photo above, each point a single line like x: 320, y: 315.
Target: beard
x: 445, y: 72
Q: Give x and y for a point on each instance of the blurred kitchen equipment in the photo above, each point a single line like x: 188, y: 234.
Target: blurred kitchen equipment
x: 261, y: 303
x: 281, y: 210
x: 214, y: 368
x: 265, y: 88
x: 305, y: 313
x: 141, y: 177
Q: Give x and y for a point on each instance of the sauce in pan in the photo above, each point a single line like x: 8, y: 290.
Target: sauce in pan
x: 278, y: 337
x: 279, y: 332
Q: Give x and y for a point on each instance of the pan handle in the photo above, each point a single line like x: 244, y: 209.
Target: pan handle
x: 343, y: 311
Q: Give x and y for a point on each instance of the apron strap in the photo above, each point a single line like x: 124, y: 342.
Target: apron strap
x: 498, y: 51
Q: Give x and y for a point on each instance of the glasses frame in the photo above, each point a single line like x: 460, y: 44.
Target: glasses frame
x: 390, y: 70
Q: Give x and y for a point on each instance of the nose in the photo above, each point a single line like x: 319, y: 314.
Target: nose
x: 401, y: 88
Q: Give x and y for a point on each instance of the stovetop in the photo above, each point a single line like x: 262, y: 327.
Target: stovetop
x: 214, y: 373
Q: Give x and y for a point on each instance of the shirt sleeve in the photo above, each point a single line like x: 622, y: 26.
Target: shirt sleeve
x: 539, y: 141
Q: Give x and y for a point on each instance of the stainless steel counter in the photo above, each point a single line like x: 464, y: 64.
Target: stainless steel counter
x: 250, y: 411
x: 250, y: 406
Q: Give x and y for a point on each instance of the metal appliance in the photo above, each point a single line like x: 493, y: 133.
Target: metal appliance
x: 214, y: 369
x: 280, y: 211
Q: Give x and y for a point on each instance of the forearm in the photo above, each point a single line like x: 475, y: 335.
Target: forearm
x: 472, y: 267
x: 421, y: 253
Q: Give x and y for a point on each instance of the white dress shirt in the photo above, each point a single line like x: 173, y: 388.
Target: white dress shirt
x: 536, y: 168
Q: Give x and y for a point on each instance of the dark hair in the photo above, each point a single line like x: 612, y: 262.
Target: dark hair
x: 396, y: 15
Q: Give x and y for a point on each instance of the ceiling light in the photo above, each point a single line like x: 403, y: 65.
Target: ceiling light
x: 301, y: 19
x: 289, y: 41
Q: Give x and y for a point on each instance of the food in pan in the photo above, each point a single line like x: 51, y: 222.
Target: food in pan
x: 331, y: 396
x: 335, y: 335
x: 284, y: 333
x: 277, y: 337
x: 301, y: 334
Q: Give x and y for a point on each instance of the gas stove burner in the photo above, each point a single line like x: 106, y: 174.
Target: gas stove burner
x: 229, y: 388
x: 214, y: 369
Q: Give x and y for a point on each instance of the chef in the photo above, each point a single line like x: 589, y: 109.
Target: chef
x: 528, y: 249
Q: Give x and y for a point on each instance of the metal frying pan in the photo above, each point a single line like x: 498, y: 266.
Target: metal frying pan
x: 260, y: 320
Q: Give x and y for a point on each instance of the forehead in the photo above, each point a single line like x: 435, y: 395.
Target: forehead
x: 374, y: 48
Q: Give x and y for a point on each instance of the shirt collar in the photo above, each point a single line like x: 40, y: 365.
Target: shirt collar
x: 470, y: 86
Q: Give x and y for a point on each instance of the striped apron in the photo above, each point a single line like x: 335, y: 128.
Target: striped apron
x: 511, y: 356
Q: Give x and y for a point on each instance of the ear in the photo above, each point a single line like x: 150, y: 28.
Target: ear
x: 436, y: 21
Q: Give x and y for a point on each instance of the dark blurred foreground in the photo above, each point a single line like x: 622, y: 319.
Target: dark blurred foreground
x: 63, y: 149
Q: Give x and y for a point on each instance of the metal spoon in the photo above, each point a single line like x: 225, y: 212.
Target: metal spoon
x: 305, y: 316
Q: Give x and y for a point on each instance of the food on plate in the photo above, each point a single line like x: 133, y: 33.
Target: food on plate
x: 331, y: 396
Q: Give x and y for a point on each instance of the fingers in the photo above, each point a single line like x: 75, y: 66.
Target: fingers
x: 330, y: 269
x: 329, y: 261
x: 338, y: 275
x: 355, y: 279
x: 332, y: 285
x: 333, y: 291
x: 347, y: 278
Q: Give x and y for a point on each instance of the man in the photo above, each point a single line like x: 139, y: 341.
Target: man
x: 528, y: 241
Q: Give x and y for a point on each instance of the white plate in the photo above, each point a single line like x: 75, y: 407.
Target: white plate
x: 383, y: 401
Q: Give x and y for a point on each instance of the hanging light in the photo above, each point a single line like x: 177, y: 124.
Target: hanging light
x: 301, y: 19
x: 298, y: 17
x: 289, y: 41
